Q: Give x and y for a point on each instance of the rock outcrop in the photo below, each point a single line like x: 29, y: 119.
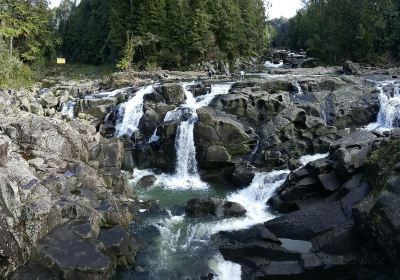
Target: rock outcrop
x: 62, y: 198
x: 340, y: 217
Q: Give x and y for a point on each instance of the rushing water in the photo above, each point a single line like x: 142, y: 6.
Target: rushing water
x: 178, y: 246
x: 68, y: 108
x: 269, y: 64
x: 183, y: 246
x: 298, y: 88
x: 131, y: 112
x: 186, y: 172
x: 389, y: 113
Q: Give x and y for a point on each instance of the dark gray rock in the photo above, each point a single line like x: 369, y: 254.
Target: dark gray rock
x: 73, y: 257
x: 146, y: 181
x: 351, y: 68
x: 243, y: 175
x: 329, y: 181
x: 306, y: 224
x: 114, y: 241
x: 198, y: 207
x: 336, y: 241
x: 172, y: 93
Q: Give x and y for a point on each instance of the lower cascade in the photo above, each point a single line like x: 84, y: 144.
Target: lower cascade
x: 389, y: 113
x: 183, y: 246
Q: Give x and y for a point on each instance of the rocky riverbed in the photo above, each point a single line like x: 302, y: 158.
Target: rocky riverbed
x: 286, y: 174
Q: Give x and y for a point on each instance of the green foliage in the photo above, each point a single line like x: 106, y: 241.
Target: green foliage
x: 128, y: 52
x: 26, y: 26
x: 336, y: 30
x: 384, y: 159
x: 13, y: 72
x: 169, y: 33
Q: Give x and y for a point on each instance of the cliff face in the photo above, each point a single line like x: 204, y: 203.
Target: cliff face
x: 64, y: 203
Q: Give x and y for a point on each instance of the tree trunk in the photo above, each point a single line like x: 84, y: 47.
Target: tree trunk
x: 11, y: 46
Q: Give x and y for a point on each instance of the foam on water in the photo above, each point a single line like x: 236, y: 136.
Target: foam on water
x: 389, y: 112
x: 225, y: 270
x: 131, y: 112
x: 68, y: 109
x: 269, y: 64
x: 186, y: 171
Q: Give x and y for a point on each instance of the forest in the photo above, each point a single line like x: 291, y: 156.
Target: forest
x: 181, y: 34
x: 365, y: 31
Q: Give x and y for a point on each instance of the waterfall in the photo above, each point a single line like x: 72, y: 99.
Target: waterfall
x: 186, y: 172
x: 131, y: 112
x: 298, y: 87
x: 270, y: 64
x: 389, y: 113
x: 68, y: 109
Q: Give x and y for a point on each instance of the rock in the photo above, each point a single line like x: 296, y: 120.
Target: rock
x: 233, y: 209
x: 4, y: 148
x: 72, y: 257
x: 243, y: 175
x: 48, y: 100
x: 309, y: 222
x: 198, y: 207
x: 172, y: 93
x: 330, y: 181
x: 222, y: 140
x: 146, y: 181
x: 115, y: 241
x: 339, y: 240
x: 351, y: 68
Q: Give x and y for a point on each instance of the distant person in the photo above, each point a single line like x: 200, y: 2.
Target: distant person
x: 210, y: 74
x: 242, y: 75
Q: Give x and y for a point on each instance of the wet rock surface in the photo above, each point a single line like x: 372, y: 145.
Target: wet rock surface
x: 65, y: 205
x: 198, y: 207
x: 61, y: 188
x: 340, y: 206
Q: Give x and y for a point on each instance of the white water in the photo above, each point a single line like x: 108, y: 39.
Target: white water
x: 131, y: 112
x: 68, y: 108
x: 298, y: 87
x: 389, y: 113
x: 186, y: 172
x: 269, y: 64
x: 183, y: 236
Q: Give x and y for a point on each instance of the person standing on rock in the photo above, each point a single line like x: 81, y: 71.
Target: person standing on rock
x: 242, y: 75
x: 227, y: 73
x: 210, y: 74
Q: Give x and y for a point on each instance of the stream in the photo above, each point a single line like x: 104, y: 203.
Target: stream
x: 175, y: 246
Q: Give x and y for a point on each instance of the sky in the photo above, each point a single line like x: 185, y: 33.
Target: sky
x: 285, y: 8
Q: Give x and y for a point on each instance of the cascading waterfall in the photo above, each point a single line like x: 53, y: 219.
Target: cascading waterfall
x: 131, y: 112
x: 184, y: 242
x: 389, y: 113
x: 270, y: 64
x: 298, y: 88
x: 68, y: 108
x: 186, y: 172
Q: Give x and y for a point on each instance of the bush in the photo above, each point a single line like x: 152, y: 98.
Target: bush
x: 13, y: 72
x: 129, y: 50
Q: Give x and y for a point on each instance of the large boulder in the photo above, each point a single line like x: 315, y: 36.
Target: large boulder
x: 172, y: 93
x: 219, y: 139
x: 198, y: 207
x: 351, y: 68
